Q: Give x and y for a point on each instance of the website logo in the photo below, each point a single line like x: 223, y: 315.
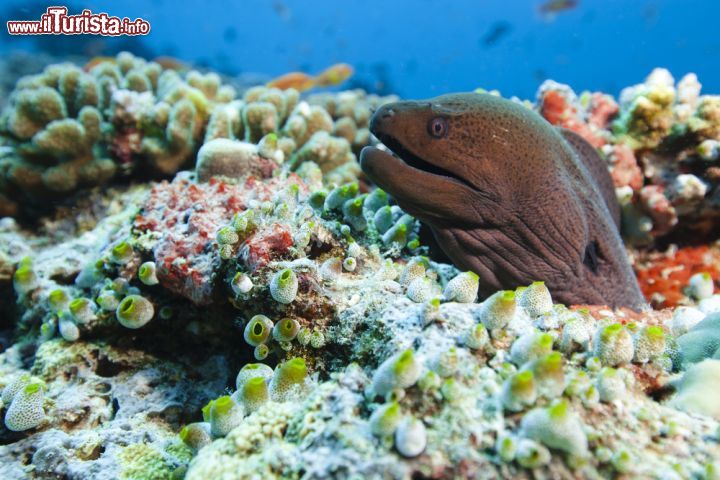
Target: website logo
x: 56, y: 21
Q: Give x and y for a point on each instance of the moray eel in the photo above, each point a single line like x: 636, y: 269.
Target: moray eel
x: 506, y: 195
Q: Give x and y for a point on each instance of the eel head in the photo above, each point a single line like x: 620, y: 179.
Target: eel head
x: 504, y: 195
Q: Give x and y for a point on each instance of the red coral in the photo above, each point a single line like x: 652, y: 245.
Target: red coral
x: 186, y: 217
x: 624, y: 167
x: 265, y: 245
x: 663, y: 276
x: 603, y: 108
x: 557, y: 109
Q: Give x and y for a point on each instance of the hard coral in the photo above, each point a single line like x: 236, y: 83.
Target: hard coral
x: 664, y: 276
x: 69, y: 129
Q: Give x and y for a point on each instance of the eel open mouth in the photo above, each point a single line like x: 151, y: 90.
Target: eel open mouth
x: 412, y: 160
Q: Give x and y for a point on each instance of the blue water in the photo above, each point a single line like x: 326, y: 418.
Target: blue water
x: 421, y: 48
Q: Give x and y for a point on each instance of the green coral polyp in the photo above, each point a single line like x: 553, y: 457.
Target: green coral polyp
x: 227, y: 236
x: 404, y: 362
x: 58, y: 299
x: 519, y: 391
x: 385, y: 419
x: 284, y: 286
x: 610, y: 331
x: 24, y: 279
x: 258, y: 330
x: 254, y: 393
x: 134, y: 311
x: 498, y: 310
x: 121, y: 253
x: 400, y: 371
x: 463, y: 288
x: 148, y: 274
x: 286, y: 330
x: 292, y: 371
x: 288, y: 376
x: 82, y: 310
x: 224, y: 414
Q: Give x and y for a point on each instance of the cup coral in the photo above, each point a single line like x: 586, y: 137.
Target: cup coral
x: 252, y: 394
x: 519, y: 391
x: 610, y: 384
x: 557, y: 427
x: 463, y: 288
x: 649, y: 343
x: 284, y: 286
x: 410, y: 437
x: 26, y: 408
x: 252, y: 370
x: 258, y: 330
x: 498, y: 309
x: 24, y: 278
x: 385, y: 419
x: 613, y: 345
x: 83, y: 310
x: 536, y: 299
x: 477, y: 337
x: 400, y: 371
x: 531, y: 454
x: 241, y: 283
x: 58, y: 300
x: 422, y: 289
x: 196, y: 435
x: 67, y: 328
x: 413, y: 270
x: 530, y: 346
x: 134, y: 311
x: 147, y: 273
x: 289, y: 376
x: 286, y: 330
x: 224, y: 414
x: 549, y: 375
x: 121, y: 253
x: 12, y: 388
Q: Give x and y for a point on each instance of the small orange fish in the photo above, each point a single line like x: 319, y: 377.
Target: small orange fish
x: 334, y: 75
x: 555, y: 6
x: 298, y: 80
x: 95, y: 61
x: 171, y: 63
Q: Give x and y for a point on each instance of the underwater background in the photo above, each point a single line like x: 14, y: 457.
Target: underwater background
x: 235, y: 248
x: 415, y: 48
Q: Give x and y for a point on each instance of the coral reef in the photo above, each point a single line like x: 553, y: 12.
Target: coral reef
x: 69, y: 128
x: 268, y: 313
x: 660, y: 140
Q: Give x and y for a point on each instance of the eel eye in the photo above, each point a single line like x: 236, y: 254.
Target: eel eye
x: 438, y: 127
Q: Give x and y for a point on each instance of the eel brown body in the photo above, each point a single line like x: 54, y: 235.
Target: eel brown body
x: 506, y: 195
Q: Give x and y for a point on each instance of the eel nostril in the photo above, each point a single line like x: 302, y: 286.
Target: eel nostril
x: 388, y: 113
